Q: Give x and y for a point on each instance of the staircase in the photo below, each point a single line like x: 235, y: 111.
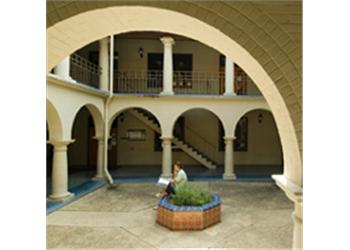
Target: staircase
x: 190, y: 150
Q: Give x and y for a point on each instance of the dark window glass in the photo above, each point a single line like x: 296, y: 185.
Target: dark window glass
x: 241, y: 133
x: 182, y: 65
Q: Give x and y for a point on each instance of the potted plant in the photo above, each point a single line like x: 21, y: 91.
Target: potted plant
x: 190, y: 208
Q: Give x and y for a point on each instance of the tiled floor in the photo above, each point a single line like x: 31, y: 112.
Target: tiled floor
x: 254, y: 216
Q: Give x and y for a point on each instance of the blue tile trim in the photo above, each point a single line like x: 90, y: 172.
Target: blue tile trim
x: 78, y: 191
x: 216, y: 201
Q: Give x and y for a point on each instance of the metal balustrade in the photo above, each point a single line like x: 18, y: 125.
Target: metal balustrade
x: 84, y: 71
x: 138, y: 82
x: 200, y: 143
x: 184, y: 82
x: 194, y: 82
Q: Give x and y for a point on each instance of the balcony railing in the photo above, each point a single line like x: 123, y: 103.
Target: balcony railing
x: 184, y: 82
x: 138, y: 82
x: 84, y: 71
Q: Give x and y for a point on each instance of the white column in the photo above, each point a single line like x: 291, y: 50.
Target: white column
x: 166, y: 161
x: 229, y: 163
x: 298, y: 225
x: 100, y: 152
x: 103, y: 63
x: 60, y: 171
x: 62, y: 69
x: 168, y: 66
x: 229, y: 78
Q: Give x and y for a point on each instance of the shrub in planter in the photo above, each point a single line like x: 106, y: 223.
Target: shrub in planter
x: 189, y: 209
x: 187, y: 195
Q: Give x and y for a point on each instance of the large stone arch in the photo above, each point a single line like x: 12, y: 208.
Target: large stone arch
x: 54, y: 122
x: 260, y: 55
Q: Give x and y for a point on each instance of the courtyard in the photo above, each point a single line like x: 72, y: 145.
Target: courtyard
x: 255, y: 215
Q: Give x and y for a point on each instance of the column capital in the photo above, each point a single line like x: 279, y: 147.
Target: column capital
x: 229, y: 138
x: 166, y: 138
x: 100, y: 138
x: 167, y: 40
x: 62, y: 143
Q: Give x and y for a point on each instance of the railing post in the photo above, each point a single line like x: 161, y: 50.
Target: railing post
x: 229, y: 77
x: 167, y: 66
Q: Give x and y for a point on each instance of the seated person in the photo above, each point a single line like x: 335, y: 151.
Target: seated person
x: 178, y: 180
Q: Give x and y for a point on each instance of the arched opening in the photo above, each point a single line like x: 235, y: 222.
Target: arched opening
x: 138, y: 18
x: 82, y: 153
x: 134, y: 147
x: 257, y: 147
x: 49, y: 158
x: 196, y: 143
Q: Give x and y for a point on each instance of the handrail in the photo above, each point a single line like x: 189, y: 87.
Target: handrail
x: 84, y: 71
x: 85, y: 63
x: 200, y: 143
x: 184, y: 82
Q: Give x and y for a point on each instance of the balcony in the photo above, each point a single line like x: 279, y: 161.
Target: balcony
x: 151, y: 81
x: 184, y: 82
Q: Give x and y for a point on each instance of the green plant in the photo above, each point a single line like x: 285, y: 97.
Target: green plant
x: 188, y: 195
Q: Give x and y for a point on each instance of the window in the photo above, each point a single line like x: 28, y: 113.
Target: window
x: 155, y: 70
x: 182, y: 71
x: 241, y: 134
x: 182, y: 64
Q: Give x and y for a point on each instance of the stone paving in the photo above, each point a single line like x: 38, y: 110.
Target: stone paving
x: 254, y: 216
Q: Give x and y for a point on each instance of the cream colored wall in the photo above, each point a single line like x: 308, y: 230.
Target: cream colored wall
x: 264, y: 146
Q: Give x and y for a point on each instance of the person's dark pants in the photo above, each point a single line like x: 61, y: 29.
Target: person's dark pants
x: 170, y: 189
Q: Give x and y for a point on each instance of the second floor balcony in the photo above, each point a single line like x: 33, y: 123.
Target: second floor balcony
x: 157, y: 73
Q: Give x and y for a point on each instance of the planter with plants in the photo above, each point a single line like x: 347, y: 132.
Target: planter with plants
x: 189, y: 209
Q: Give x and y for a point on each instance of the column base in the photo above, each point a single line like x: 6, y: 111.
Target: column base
x: 60, y: 197
x: 98, y: 178
x: 229, y: 177
x: 166, y: 93
x: 230, y: 94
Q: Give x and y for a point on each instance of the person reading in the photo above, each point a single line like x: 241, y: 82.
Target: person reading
x: 178, y: 180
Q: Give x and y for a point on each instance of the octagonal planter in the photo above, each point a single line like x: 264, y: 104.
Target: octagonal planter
x: 189, y: 217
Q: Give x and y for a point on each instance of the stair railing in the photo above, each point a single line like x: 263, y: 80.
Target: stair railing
x: 84, y: 71
x: 201, y: 144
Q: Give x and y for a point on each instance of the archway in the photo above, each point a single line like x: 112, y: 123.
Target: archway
x: 196, y: 143
x: 127, y: 19
x: 134, y: 147
x: 82, y: 154
x: 257, y: 147
x: 49, y: 158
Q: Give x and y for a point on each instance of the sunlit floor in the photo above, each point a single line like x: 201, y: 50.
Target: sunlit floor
x: 254, y: 216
